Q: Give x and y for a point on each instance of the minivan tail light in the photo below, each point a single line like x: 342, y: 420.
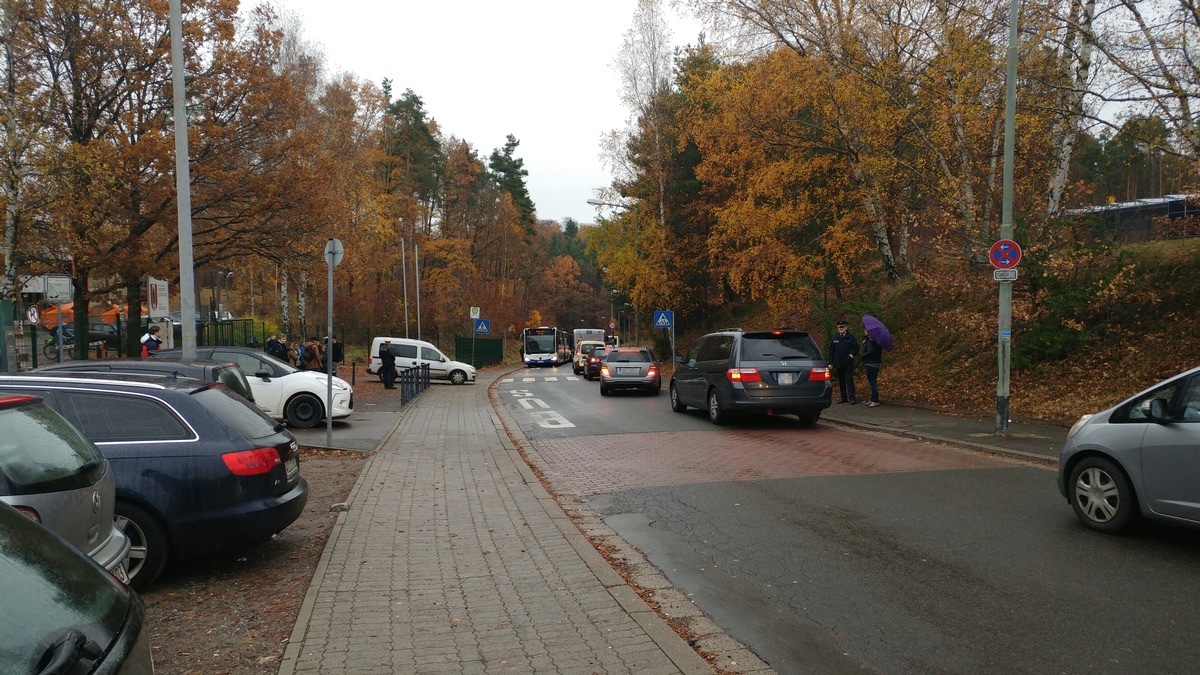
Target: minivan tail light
x: 252, y: 462
x: 821, y: 373
x: 31, y: 513
x: 743, y: 375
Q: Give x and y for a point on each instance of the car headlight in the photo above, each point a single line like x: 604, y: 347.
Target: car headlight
x: 1078, y: 425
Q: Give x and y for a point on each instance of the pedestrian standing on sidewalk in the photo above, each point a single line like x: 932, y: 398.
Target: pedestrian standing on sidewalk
x: 842, y: 348
x: 872, y: 358
x: 387, y: 365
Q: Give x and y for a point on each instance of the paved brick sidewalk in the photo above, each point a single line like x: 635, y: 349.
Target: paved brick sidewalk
x: 452, y: 558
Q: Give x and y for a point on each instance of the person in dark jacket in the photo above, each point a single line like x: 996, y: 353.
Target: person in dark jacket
x: 842, y: 348
x: 387, y: 365
x: 872, y: 358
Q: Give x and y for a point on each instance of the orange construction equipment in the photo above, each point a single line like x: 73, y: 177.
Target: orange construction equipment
x: 98, y: 313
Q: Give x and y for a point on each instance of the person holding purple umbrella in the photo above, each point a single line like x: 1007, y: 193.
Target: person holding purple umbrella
x: 872, y: 358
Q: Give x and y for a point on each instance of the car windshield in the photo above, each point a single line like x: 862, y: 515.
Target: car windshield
x: 794, y: 346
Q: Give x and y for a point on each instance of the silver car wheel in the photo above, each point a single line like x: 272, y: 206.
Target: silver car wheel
x: 715, y: 414
x: 1101, y: 495
x: 1098, y: 495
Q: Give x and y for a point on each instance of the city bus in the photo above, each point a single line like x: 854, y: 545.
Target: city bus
x: 546, y: 346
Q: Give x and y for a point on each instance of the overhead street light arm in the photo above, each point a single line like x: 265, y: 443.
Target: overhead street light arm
x: 597, y: 202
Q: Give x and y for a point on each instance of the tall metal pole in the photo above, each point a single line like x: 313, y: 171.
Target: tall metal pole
x: 417, y: 275
x: 183, y: 189
x: 1004, y: 345
x: 404, y: 273
x: 637, y: 309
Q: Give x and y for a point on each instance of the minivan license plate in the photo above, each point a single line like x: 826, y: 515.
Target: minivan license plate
x: 785, y: 378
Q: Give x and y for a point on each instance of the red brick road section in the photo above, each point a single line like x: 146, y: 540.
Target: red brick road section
x: 589, y: 465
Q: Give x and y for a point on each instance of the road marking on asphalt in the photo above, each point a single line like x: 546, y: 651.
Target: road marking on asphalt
x: 545, y: 418
x: 569, y: 378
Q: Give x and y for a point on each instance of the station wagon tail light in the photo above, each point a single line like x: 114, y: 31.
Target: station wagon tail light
x: 252, y: 462
x: 820, y: 373
x: 743, y: 375
x: 652, y: 371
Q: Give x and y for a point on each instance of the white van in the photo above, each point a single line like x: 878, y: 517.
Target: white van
x: 412, y: 353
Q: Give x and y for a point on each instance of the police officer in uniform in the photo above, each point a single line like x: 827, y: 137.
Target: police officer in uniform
x: 387, y: 365
x: 842, y: 349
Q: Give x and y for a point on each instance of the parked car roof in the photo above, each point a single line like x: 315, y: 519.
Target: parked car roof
x: 225, y: 372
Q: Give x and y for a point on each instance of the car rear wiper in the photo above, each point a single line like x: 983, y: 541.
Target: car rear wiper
x: 69, y: 648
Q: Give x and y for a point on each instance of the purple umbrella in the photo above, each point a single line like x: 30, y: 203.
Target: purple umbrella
x: 878, y: 332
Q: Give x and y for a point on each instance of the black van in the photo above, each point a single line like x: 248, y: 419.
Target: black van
x: 225, y: 372
x: 772, y: 372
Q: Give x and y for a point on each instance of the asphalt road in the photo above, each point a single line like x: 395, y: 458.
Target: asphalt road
x: 835, y: 551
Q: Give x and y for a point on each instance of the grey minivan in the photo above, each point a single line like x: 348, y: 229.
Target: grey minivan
x: 769, y: 372
x: 55, y: 476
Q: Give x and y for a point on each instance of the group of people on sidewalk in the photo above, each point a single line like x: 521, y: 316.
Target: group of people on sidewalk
x: 306, y: 355
x: 843, y: 347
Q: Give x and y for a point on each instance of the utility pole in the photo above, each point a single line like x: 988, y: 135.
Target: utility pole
x: 1004, y: 344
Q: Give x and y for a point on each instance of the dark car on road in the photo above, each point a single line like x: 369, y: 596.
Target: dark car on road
x: 60, y: 612
x: 594, y: 361
x: 1138, y: 459
x: 199, y: 469
x: 769, y: 372
x: 630, y: 368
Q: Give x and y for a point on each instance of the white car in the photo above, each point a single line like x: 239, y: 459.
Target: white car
x: 282, y: 391
x: 416, y: 353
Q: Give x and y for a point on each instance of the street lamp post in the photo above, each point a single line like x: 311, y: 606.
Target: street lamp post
x: 637, y: 261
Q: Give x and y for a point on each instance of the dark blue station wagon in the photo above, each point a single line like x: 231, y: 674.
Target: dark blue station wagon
x: 198, y: 468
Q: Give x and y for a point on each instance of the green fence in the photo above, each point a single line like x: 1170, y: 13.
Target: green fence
x: 479, y: 352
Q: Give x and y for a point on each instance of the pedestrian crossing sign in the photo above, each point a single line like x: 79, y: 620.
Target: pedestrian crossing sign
x: 664, y: 318
x: 483, y: 326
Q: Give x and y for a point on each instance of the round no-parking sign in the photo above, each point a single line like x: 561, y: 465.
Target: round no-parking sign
x: 1005, y: 254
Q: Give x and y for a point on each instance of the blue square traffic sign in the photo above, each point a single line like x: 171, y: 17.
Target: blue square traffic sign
x: 483, y: 326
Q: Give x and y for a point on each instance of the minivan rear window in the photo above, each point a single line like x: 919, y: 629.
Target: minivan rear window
x: 786, y: 346
x: 41, y: 452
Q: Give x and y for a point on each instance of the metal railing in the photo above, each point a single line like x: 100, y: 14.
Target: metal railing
x: 412, y: 381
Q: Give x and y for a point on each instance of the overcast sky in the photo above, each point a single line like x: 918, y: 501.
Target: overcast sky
x: 541, y: 70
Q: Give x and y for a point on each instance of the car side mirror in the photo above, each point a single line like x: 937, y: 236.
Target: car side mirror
x: 1155, y: 409
x: 264, y: 375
